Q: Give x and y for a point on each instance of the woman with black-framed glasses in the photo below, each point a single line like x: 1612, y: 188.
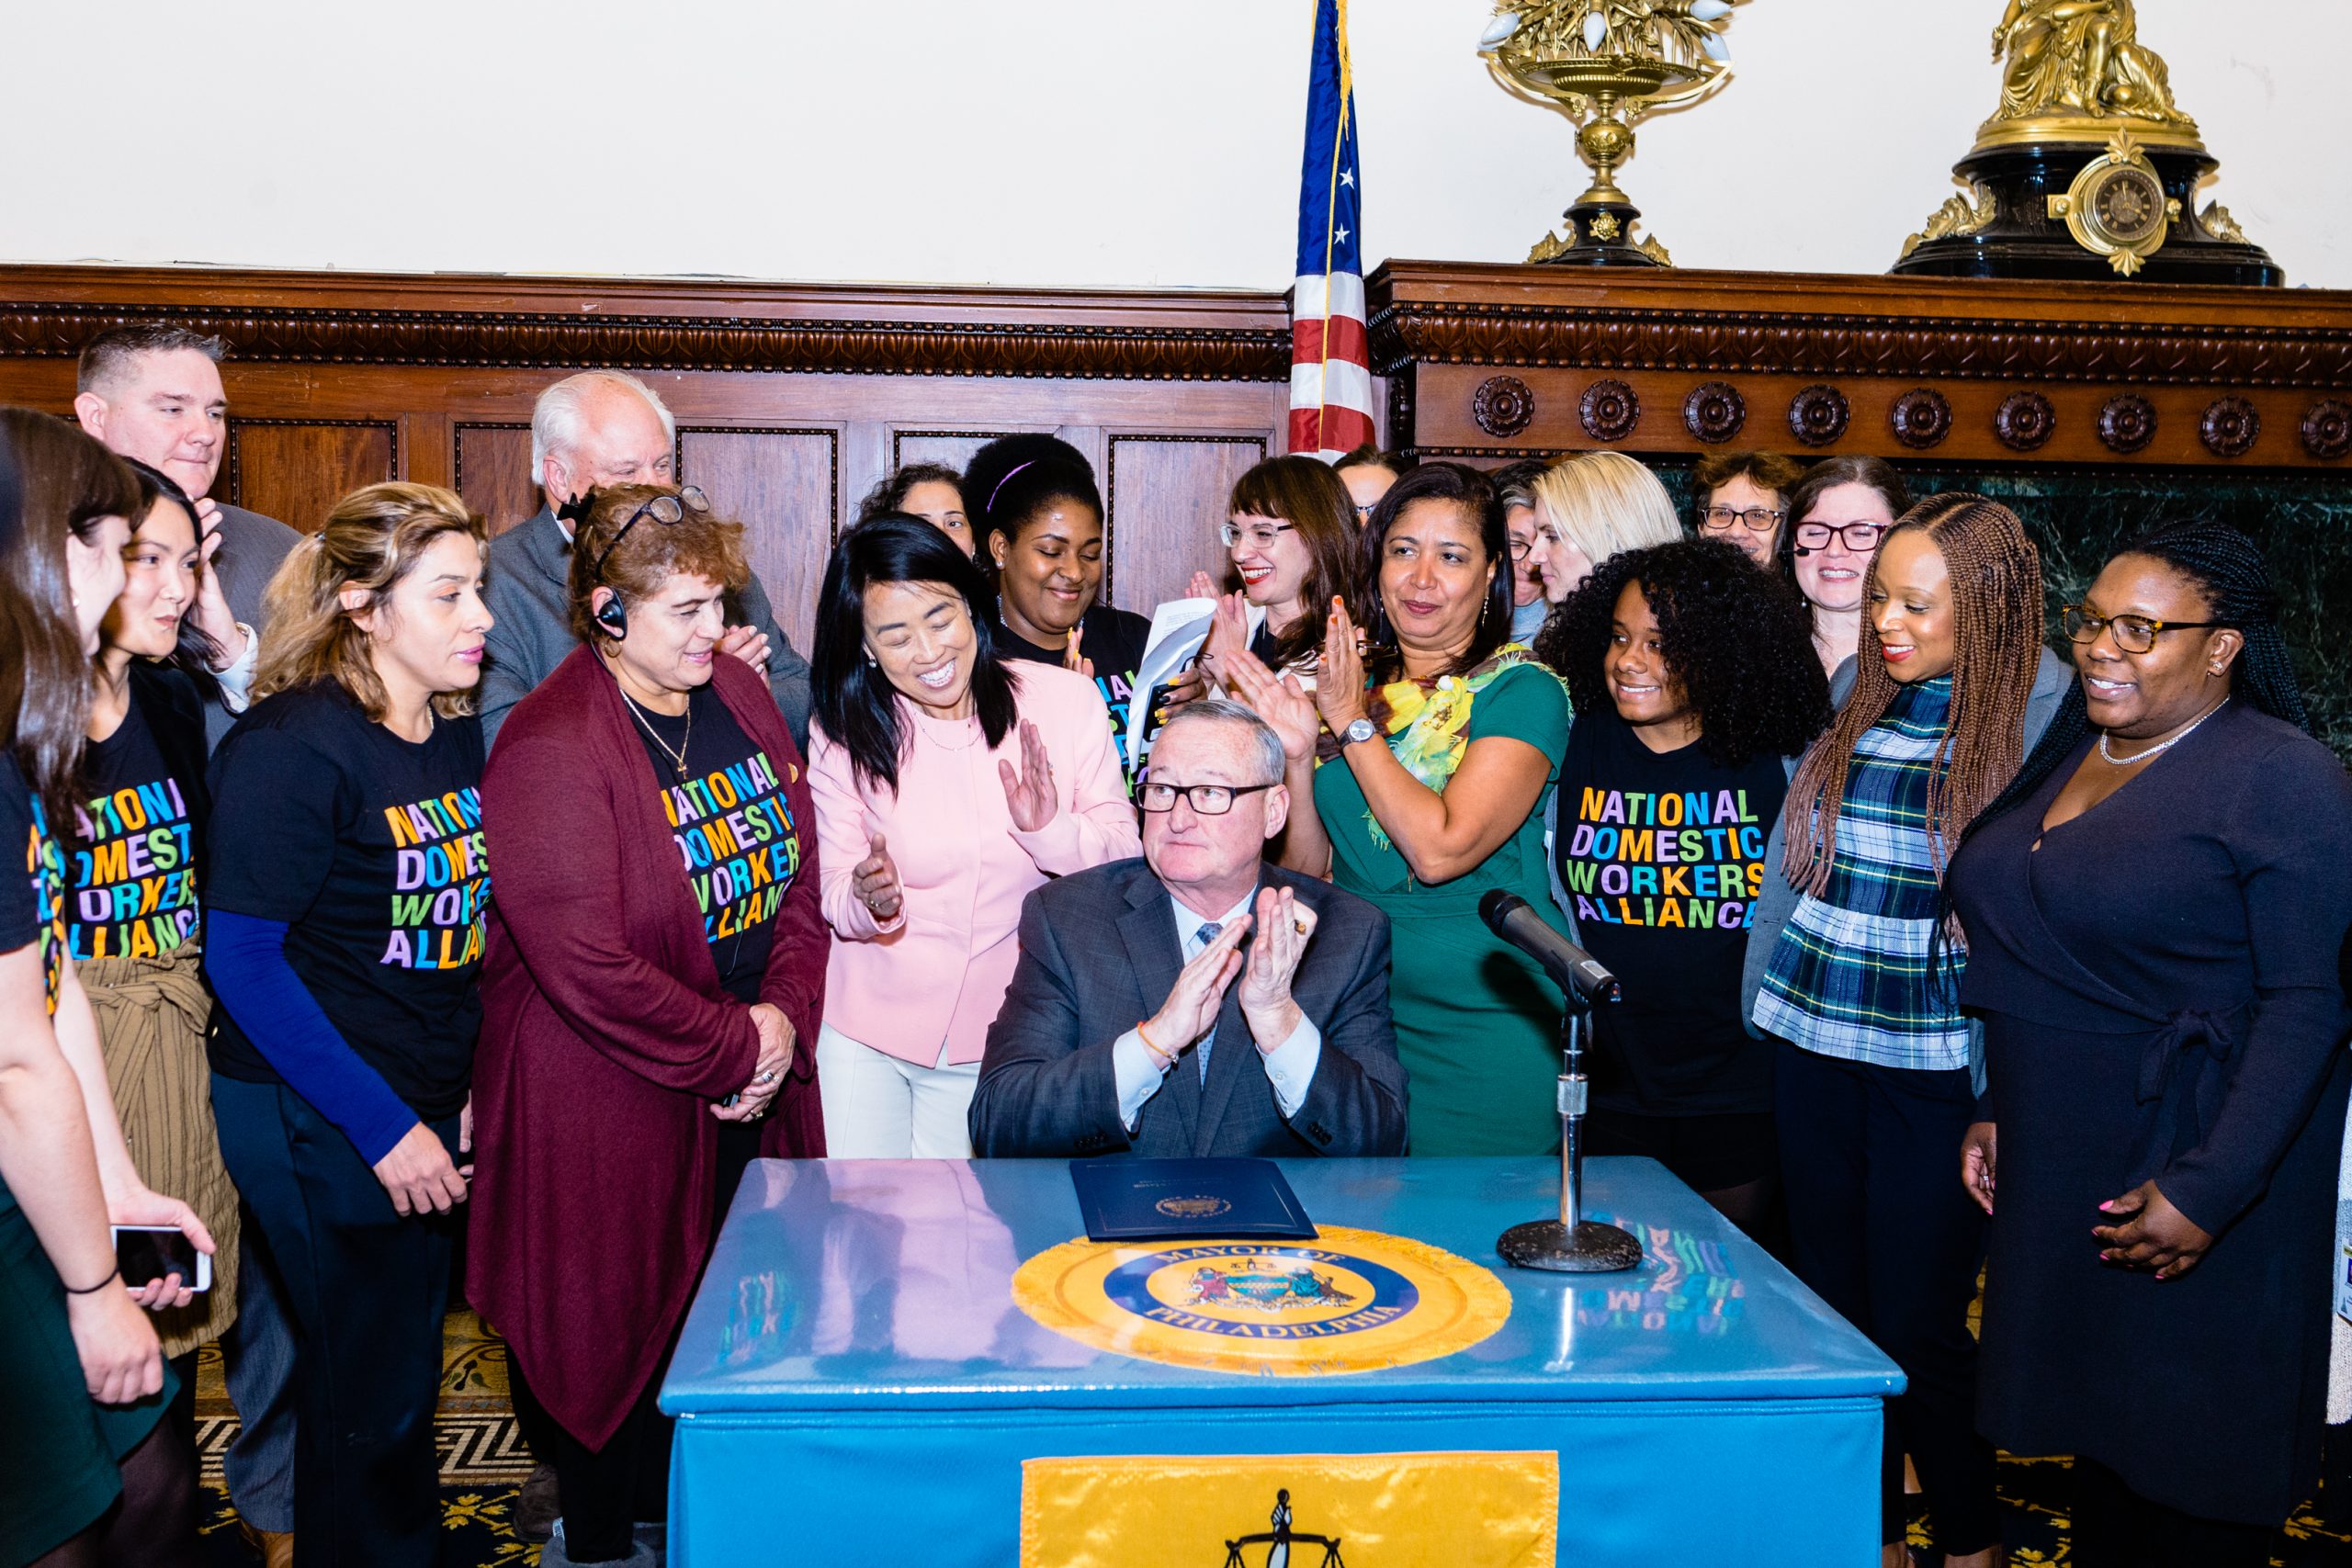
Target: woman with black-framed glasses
x: 1841, y: 510
x: 2156, y: 912
x: 1290, y: 536
x: 1744, y: 501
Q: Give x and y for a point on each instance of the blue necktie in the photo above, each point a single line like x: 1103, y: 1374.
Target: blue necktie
x: 1205, y: 936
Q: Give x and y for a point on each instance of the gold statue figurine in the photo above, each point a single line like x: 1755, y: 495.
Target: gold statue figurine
x: 2073, y: 70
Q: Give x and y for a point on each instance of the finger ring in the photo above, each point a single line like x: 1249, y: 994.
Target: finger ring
x: 765, y: 1078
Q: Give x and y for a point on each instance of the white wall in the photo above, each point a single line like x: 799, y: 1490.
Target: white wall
x: 1113, y: 143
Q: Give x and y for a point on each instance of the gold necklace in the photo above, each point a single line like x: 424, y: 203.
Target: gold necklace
x: 677, y: 757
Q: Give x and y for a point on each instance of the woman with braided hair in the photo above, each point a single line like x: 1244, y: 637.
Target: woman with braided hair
x: 1875, y: 1081
x: 2154, y: 912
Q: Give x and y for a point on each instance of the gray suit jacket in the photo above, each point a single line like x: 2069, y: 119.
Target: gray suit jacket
x: 1099, y: 951
x: 530, y: 596
x: 252, y: 548
x: 2051, y: 679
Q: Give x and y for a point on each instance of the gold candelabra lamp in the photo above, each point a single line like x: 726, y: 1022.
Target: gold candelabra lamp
x: 1608, y: 64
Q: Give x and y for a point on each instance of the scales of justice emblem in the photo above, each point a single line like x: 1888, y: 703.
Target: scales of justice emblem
x: 1279, y: 1540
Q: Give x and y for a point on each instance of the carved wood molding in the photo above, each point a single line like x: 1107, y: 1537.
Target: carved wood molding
x: 1730, y: 323
x: 322, y: 318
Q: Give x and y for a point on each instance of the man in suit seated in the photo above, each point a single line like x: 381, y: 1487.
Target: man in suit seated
x: 601, y: 427
x: 1262, y: 995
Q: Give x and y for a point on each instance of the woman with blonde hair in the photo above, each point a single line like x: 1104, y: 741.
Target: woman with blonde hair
x: 346, y: 886
x: 1592, y: 506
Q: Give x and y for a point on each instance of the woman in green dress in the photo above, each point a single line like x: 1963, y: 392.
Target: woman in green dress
x: 1418, y: 768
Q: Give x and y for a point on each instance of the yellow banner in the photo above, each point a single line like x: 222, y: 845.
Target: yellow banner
x: 1446, y: 1510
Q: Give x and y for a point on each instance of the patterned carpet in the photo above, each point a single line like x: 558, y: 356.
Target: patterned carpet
x: 483, y: 1463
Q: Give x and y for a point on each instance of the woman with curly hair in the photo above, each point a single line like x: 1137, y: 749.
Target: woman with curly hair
x: 1692, y: 680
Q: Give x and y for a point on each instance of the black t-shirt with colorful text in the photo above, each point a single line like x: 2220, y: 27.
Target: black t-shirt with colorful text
x: 731, y: 821
x: 1662, y: 854
x: 1113, y: 641
x: 370, y: 848
x: 134, y: 856
x: 32, y: 890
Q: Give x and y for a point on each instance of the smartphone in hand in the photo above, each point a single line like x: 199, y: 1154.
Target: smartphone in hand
x: 147, y: 1253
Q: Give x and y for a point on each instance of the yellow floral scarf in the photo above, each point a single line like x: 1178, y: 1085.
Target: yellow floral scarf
x: 1429, y: 726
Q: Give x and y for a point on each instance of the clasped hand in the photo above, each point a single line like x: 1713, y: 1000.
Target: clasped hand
x: 2150, y: 1233
x: 776, y: 1042
x: 1284, y: 926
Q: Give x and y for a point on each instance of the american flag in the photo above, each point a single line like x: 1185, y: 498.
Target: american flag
x: 1330, y: 367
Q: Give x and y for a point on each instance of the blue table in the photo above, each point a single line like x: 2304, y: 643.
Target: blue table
x: 854, y: 1383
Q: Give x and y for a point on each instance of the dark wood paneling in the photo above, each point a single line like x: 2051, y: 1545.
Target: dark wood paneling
x: 1492, y: 362
x: 295, y: 470
x: 783, y: 486
x: 953, y: 448
x: 1167, y: 495
x: 453, y: 319
x: 493, y: 469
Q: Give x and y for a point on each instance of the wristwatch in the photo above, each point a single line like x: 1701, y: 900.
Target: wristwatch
x: 1362, y: 729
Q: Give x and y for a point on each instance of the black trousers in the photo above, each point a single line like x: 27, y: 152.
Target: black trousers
x: 1880, y: 1228
x: 604, y: 1492
x: 367, y: 1291
x: 2116, y: 1527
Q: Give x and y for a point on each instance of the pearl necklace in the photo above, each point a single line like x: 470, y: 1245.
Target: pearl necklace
x: 2161, y: 747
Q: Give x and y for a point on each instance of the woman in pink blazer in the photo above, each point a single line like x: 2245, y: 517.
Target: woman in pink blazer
x: 948, y: 783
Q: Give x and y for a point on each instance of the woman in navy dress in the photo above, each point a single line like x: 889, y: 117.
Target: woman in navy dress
x: 2154, y: 911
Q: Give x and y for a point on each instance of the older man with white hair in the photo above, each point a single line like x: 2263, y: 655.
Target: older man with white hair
x: 601, y: 427
x: 1262, y: 995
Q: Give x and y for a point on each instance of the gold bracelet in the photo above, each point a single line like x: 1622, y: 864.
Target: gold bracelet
x: 1160, y: 1058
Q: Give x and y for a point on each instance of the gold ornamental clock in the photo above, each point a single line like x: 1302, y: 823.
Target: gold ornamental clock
x: 2116, y: 207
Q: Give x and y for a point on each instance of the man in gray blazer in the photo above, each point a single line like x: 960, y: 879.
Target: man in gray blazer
x: 152, y: 391
x: 1262, y: 995
x: 601, y: 427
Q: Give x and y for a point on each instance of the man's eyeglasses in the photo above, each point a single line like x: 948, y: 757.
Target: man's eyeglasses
x: 666, y: 509
x: 2134, y: 633
x: 1208, y: 799
x: 1860, y: 537
x: 1756, y: 519
x: 1258, y: 533
x: 1519, y: 548
x: 1364, y: 511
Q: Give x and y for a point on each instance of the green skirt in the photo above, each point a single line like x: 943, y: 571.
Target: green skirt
x: 59, y: 1452
x: 1477, y: 1029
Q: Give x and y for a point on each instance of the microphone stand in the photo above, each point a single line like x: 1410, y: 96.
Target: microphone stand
x: 1571, y: 1244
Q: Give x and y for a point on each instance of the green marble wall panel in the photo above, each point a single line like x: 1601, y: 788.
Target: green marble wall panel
x: 2080, y: 516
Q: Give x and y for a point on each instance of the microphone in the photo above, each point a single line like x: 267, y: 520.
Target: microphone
x: 1511, y: 918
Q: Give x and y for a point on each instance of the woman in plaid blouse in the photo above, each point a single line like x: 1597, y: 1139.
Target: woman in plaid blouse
x: 1875, y: 1080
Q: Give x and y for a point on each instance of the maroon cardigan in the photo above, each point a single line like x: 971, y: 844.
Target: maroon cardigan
x: 605, y: 1038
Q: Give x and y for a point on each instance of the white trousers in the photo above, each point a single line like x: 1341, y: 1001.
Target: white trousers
x: 879, y: 1106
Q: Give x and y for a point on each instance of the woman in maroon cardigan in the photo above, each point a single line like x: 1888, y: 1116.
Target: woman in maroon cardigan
x: 655, y: 971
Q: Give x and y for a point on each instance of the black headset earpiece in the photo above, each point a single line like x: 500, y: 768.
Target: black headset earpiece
x: 613, y: 615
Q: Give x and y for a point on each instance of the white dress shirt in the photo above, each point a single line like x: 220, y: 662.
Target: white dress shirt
x: 1289, y: 1067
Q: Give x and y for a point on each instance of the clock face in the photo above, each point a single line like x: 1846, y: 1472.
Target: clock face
x: 2128, y: 204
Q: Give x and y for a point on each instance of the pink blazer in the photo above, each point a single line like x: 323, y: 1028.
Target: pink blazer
x: 938, y: 972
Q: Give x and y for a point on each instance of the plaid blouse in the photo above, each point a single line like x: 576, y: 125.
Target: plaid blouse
x: 1849, y: 978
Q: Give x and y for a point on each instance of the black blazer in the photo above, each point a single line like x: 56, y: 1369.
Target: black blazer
x: 1099, y: 951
